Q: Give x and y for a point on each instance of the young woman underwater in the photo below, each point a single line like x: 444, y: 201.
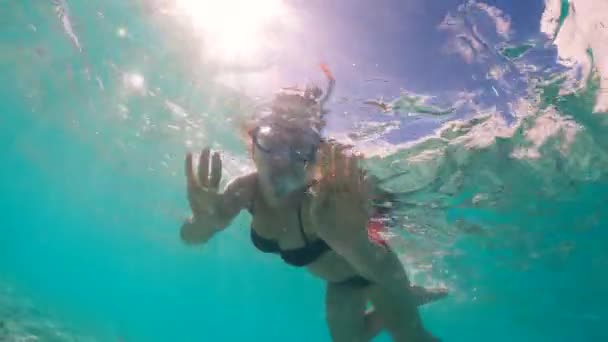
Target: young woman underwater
x: 311, y: 204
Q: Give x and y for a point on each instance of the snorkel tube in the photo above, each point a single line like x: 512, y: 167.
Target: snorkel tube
x: 306, y: 105
x: 331, y: 81
x: 319, y: 97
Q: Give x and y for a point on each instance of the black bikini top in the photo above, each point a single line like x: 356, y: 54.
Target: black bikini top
x: 302, y: 256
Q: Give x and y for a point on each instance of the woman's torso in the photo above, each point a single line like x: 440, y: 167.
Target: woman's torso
x: 291, y: 230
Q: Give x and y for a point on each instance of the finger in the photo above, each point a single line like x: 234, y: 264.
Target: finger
x: 330, y: 179
x: 332, y: 162
x: 216, y: 171
x: 190, y: 171
x: 354, y: 174
x: 318, y: 184
x: 318, y: 199
x: 337, y: 164
x: 203, y: 168
x: 315, y: 189
x: 324, y: 169
x: 365, y: 184
x: 325, y: 160
x: 340, y: 167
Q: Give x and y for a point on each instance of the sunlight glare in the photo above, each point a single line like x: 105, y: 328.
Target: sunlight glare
x: 234, y: 28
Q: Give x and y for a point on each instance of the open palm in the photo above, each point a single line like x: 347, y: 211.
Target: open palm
x: 203, y: 186
x: 341, y: 198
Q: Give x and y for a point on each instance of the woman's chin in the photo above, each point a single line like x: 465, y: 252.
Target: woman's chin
x: 284, y: 188
x: 282, y: 192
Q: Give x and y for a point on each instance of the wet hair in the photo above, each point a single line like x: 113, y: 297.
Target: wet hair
x: 291, y: 107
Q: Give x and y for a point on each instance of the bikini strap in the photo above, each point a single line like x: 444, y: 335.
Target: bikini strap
x: 301, y: 224
x: 253, y: 196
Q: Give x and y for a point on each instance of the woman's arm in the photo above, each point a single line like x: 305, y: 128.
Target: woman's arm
x: 381, y: 266
x: 235, y: 197
x: 340, y: 210
x: 377, y: 263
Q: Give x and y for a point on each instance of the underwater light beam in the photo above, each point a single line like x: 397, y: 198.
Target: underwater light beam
x: 234, y: 29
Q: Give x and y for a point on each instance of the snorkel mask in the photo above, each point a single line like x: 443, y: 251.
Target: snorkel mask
x: 284, y: 154
x: 297, y: 144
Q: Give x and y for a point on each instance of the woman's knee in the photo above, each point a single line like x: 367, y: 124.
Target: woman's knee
x: 399, y: 317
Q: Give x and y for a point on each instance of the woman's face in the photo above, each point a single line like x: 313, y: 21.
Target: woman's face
x: 284, y: 156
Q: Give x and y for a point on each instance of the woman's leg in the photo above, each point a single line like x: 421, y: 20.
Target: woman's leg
x: 345, y: 310
x: 373, y: 324
x: 373, y: 321
x: 395, y: 316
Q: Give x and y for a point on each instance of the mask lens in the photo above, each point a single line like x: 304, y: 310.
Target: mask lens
x: 304, y: 154
x: 267, y: 140
x: 301, y: 145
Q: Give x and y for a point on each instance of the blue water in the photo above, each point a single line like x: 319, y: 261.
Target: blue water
x: 93, y: 191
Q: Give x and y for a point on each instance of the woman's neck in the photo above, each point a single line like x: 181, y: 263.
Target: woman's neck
x: 292, y: 199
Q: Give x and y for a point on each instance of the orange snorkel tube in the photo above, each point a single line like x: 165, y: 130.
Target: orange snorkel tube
x: 330, y: 86
x: 326, y: 71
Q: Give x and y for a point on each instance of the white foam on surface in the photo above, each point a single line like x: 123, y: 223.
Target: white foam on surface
x: 585, y: 27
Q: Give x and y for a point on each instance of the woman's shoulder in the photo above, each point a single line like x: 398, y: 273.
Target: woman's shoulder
x: 245, y: 183
x: 241, y: 189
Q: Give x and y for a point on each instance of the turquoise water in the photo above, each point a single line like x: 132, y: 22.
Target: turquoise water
x: 93, y: 195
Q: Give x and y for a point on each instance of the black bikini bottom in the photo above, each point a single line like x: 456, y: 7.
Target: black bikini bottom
x: 355, y: 281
